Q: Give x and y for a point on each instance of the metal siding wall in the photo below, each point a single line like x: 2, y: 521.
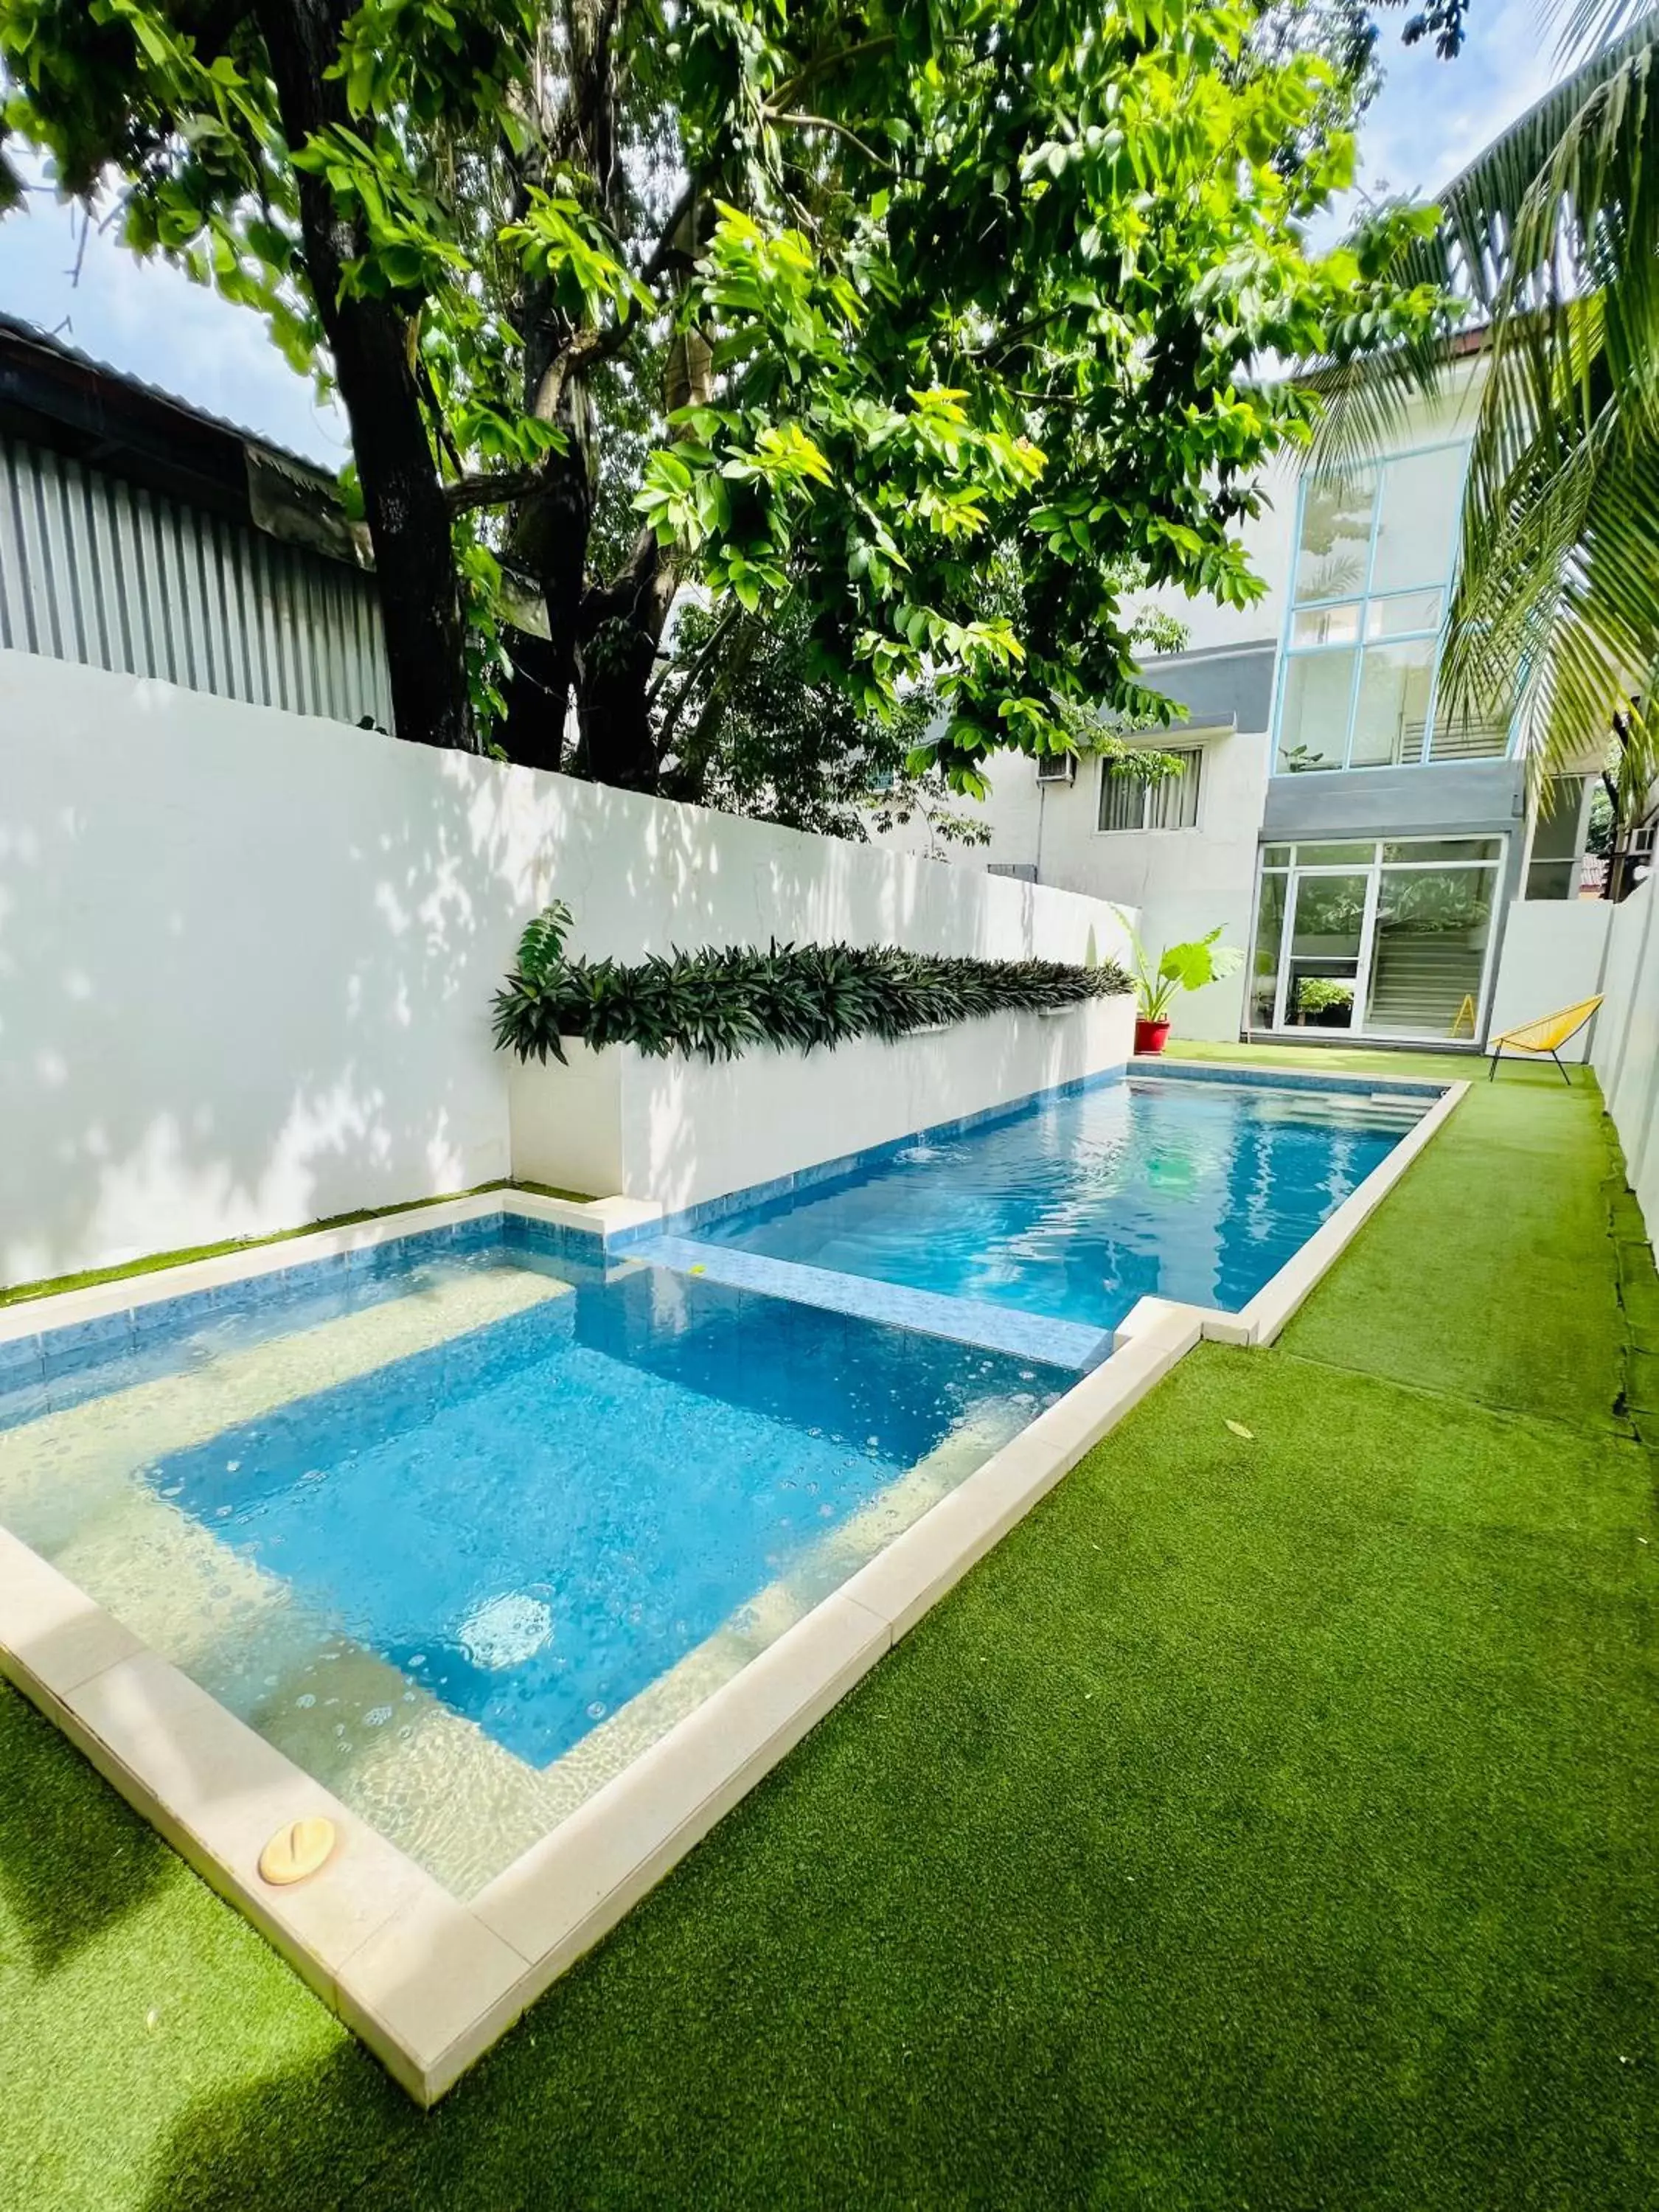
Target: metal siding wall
x: 97, y: 570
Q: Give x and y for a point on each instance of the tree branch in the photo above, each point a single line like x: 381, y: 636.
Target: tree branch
x: 825, y: 62
x: 664, y: 251
x: 841, y: 130
x: 498, y: 489
x: 705, y: 654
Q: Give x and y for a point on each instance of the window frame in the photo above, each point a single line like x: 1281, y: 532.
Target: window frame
x: 1145, y: 827
x: 1362, y: 599
x: 1289, y: 872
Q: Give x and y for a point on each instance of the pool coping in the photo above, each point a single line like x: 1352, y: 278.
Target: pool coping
x: 428, y: 1982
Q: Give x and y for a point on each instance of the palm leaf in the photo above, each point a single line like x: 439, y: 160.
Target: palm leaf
x: 1549, y: 243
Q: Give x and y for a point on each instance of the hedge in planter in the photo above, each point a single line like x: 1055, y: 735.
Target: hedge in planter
x: 721, y: 1001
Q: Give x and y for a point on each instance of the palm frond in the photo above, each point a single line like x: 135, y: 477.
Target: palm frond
x: 1550, y: 241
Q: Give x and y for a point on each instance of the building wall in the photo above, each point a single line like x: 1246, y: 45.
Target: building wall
x: 1625, y: 1042
x: 247, y: 958
x: 96, y: 570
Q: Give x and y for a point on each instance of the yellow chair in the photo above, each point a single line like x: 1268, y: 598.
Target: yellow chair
x: 1547, y: 1036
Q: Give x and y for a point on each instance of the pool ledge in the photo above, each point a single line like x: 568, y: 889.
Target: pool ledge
x: 429, y: 1983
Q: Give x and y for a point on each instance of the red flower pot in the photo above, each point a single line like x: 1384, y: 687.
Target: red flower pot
x: 1151, y: 1037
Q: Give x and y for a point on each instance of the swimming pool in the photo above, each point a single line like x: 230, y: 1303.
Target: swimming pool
x: 518, y: 1539
x: 1077, y: 1206
x: 461, y: 1542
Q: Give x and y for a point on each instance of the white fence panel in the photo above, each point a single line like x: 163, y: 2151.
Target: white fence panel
x: 246, y: 957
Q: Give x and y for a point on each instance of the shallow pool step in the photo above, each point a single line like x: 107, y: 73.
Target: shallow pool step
x: 1063, y: 1344
x: 62, y: 1456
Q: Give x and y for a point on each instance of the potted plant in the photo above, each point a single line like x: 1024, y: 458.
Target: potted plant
x: 1186, y: 967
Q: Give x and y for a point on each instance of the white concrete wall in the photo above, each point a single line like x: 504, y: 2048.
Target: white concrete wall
x: 1624, y: 1043
x: 680, y: 1130
x: 1551, y: 957
x: 247, y: 958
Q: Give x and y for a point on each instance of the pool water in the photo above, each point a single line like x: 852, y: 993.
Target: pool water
x: 445, y: 1543
x: 1076, y: 1207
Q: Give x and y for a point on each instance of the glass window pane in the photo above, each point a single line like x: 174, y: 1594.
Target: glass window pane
x: 1421, y: 493
x: 1264, y: 964
x: 1323, y: 960
x: 1122, y: 799
x: 1429, y: 952
x: 1392, y: 715
x: 1336, y: 856
x: 1275, y: 856
x: 1313, y: 726
x: 1444, y: 848
x: 1336, y: 535
x: 1327, y: 626
x: 1556, y: 836
x: 1172, y: 802
x: 1405, y: 613
x: 1474, y: 729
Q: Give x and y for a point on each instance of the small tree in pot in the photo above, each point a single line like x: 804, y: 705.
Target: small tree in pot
x: 1186, y: 967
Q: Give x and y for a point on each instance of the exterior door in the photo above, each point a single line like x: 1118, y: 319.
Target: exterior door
x: 1326, y: 951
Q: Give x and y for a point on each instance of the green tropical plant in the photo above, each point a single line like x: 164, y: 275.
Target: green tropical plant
x: 1548, y: 245
x: 840, y: 306
x: 1186, y: 967
x: 1318, y: 994
x: 722, y: 1001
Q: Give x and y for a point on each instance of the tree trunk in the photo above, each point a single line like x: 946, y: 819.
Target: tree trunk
x: 408, y: 519
x: 621, y: 626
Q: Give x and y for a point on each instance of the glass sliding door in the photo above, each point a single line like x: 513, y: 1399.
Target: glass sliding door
x: 1324, y: 947
x: 1428, y: 954
x: 1390, y: 939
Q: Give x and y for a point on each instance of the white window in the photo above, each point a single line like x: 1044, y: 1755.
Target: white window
x: 1130, y: 802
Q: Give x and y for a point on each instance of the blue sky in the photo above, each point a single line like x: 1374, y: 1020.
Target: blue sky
x: 150, y: 320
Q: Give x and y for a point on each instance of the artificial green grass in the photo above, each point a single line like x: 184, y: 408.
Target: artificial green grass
x: 48, y: 1286
x: 1269, y: 1821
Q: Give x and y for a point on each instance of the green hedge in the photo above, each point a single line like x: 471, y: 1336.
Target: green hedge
x: 718, y: 1002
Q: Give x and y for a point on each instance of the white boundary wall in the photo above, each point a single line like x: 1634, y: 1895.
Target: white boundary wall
x: 1624, y: 1043
x: 682, y: 1130
x: 1552, y: 955
x: 246, y: 957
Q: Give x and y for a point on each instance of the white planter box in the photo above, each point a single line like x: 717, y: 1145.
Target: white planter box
x: 681, y: 1130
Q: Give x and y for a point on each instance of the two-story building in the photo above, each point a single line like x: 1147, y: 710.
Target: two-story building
x: 1360, y: 841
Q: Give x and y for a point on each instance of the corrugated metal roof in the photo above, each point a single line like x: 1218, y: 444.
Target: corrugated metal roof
x: 28, y: 334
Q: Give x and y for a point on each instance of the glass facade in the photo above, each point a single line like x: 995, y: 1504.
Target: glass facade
x: 1384, y: 938
x: 1556, y: 865
x: 1375, y: 550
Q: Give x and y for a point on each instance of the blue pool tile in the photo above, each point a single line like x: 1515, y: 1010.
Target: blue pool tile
x: 86, y: 1343
x: 1426, y: 1087
x: 895, y: 1305
x: 20, y: 1360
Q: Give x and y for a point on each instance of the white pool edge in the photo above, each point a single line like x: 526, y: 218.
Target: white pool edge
x: 429, y: 1983
x: 597, y: 1217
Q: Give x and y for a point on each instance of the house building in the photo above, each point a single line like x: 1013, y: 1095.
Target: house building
x: 1366, y: 846
x: 140, y: 535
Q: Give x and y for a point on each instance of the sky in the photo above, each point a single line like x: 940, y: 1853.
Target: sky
x: 149, y: 320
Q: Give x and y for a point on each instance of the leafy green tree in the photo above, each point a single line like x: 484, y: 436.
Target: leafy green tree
x: 745, y: 722
x: 870, y: 301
